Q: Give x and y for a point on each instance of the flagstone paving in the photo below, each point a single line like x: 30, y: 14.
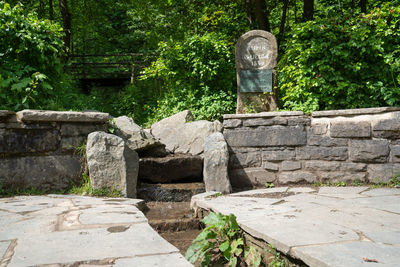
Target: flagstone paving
x: 59, y: 230
x: 327, y: 226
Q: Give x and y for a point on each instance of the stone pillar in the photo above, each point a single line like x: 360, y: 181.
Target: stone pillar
x: 256, y: 52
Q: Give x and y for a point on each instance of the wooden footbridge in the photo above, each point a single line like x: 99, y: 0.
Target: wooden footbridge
x: 107, y: 70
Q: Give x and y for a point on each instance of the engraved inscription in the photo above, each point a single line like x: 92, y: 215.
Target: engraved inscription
x: 256, y: 53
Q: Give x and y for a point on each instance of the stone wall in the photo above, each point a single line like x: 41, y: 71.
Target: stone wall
x: 291, y: 147
x: 38, y: 148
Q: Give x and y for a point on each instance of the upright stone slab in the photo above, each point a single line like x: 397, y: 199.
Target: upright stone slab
x: 216, y: 158
x: 112, y: 164
x: 256, y: 52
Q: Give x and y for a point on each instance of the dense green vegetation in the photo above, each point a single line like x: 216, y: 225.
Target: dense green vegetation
x: 332, y: 54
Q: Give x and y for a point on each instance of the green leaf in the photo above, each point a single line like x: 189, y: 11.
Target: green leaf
x: 232, y: 262
x: 224, y: 246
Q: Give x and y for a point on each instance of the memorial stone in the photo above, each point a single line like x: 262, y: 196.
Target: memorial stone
x: 256, y: 53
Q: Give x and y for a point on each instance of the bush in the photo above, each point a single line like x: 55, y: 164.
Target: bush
x: 197, y: 73
x: 30, y: 51
x: 343, y: 62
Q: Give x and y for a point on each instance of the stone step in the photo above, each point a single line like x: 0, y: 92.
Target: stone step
x: 172, y: 168
x: 169, y: 192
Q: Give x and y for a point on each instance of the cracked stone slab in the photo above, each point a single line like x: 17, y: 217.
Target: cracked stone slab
x: 302, y: 190
x: 174, y: 259
x: 58, y: 230
x: 3, y: 247
x: 349, y: 254
x: 338, y: 226
x: 89, y: 244
x: 261, y: 191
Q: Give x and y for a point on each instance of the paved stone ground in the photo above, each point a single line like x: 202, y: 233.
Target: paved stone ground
x: 72, y: 231
x: 327, y: 226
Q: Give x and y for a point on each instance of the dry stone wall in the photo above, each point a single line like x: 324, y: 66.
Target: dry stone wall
x: 38, y: 148
x: 291, y: 147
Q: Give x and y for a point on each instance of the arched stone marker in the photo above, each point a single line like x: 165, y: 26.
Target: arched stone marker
x: 256, y: 52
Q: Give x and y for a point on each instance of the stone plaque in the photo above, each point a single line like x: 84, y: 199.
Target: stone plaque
x: 256, y: 81
x: 256, y: 53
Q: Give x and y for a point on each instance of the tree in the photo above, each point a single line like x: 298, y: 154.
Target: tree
x: 66, y: 16
x: 308, y: 10
x: 262, y: 15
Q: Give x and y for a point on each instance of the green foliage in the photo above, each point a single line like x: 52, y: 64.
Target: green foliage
x: 221, y: 242
x: 343, y: 62
x: 269, y: 185
x: 275, y: 259
x: 196, y: 74
x: 30, y: 51
x: 86, y: 189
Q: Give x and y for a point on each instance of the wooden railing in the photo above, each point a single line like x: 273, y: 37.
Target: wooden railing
x: 108, y: 65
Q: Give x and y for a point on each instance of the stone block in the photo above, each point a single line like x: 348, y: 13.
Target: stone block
x: 278, y: 155
x: 369, y: 150
x: 323, y: 140
x: 290, y: 165
x: 300, y: 120
x: 76, y: 129
x: 341, y: 176
x: 270, y: 166
x: 69, y: 144
x: 395, y: 152
x: 249, y: 177
x: 233, y: 123
x: 378, y: 173
x: 267, y: 136
x: 352, y: 112
x: 386, y: 125
x: 245, y: 160
x: 216, y: 159
x: 296, y: 177
x: 46, y: 172
x: 319, y: 128
x: 29, y: 141
x: 67, y: 116
x: 350, y: 129
x: 321, y: 153
x: 353, y: 167
x: 321, y: 165
x: 174, y: 167
x: 111, y: 163
x: 265, y: 121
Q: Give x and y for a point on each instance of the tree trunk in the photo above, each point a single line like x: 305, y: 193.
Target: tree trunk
x: 249, y: 10
x: 51, y: 10
x: 308, y: 10
x: 262, y: 15
x: 363, y: 6
x: 66, y: 23
x: 283, y: 18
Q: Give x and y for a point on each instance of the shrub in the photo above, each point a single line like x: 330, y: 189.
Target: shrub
x: 343, y: 62
x: 30, y: 51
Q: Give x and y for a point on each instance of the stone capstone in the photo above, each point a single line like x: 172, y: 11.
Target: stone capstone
x: 111, y: 163
x: 57, y: 116
x: 216, y: 159
x: 181, y: 136
x: 136, y: 138
x: 176, y: 167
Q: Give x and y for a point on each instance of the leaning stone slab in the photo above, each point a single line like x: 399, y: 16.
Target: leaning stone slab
x: 111, y: 163
x: 136, y: 138
x: 215, y: 168
x: 70, y: 116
